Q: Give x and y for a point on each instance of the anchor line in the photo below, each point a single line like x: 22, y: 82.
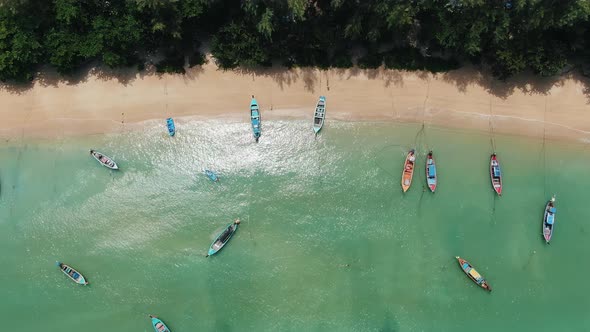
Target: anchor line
x: 544, y: 149
x: 491, y: 126
x: 424, y: 114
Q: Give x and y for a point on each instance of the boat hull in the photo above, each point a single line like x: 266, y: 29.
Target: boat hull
x: 431, y: 178
x: 548, y: 221
x: 408, y: 171
x: 171, y: 127
x: 104, y: 160
x: 159, y: 325
x: 211, y: 175
x: 319, y: 116
x: 496, y: 174
x: 71, y: 273
x: 473, y: 274
x: 222, y: 239
x: 255, y: 118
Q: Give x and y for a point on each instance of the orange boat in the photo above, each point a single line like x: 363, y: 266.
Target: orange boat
x: 408, y: 171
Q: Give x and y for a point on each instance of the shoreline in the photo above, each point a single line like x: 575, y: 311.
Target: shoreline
x: 555, y: 110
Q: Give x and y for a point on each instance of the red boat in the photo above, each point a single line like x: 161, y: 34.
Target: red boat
x: 496, y: 174
x: 408, y: 172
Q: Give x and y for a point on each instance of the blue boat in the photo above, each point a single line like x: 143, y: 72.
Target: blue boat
x: 171, y: 127
x: 431, y: 179
x: 223, y: 238
x: 549, y: 219
x: 255, y: 118
x: 211, y: 175
x: 320, y: 115
x: 158, y: 325
x: 76, y: 276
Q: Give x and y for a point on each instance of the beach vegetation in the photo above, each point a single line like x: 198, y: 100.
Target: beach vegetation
x: 237, y: 45
x: 506, y: 37
x: 341, y: 60
x: 173, y: 63
x: 196, y: 59
x: 370, y: 61
x: 21, y: 45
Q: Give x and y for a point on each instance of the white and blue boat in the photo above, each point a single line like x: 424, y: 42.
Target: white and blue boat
x: 549, y: 219
x: 171, y: 127
x: 223, y: 238
x: 74, y: 275
x: 211, y: 175
x: 255, y: 118
x: 431, y: 179
x: 320, y: 115
x: 159, y: 325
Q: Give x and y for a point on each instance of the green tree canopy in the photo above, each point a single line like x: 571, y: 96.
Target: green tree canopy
x: 508, y: 36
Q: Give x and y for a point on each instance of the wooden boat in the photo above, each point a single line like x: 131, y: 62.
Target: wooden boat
x: 255, y: 118
x: 223, y: 238
x: 159, y: 325
x: 319, y: 115
x: 408, y: 171
x: 472, y: 274
x: 104, y: 160
x: 76, y: 276
x: 211, y: 175
x: 171, y: 126
x: 496, y: 174
x: 549, y: 219
x: 431, y: 172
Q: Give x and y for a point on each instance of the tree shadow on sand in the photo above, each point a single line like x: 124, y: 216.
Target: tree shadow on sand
x: 312, y: 78
x: 15, y: 88
x: 283, y: 76
x: 48, y: 76
x: 526, y: 83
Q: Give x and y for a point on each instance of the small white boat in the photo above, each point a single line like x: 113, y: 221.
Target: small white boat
x: 104, y: 160
x: 319, y: 115
x: 76, y: 276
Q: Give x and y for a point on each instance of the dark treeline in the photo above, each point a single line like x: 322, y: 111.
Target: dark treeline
x: 506, y: 36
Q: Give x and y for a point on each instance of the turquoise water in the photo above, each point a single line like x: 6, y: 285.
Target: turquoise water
x: 328, y: 242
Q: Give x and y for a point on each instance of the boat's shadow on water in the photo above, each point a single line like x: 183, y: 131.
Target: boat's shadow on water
x: 389, y: 325
x: 221, y: 325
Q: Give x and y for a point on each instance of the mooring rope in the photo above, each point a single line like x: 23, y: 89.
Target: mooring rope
x: 491, y: 125
x: 544, y: 150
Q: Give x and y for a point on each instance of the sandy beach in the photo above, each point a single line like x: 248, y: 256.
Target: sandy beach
x: 556, y: 108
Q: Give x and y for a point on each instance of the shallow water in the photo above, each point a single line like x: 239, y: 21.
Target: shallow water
x: 328, y: 241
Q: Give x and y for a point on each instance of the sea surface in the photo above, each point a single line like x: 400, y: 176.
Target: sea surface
x: 328, y: 242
